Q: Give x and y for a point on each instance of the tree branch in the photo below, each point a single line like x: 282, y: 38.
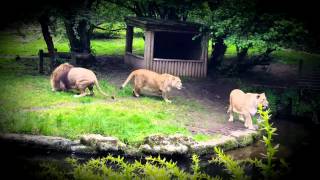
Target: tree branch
x: 98, y: 27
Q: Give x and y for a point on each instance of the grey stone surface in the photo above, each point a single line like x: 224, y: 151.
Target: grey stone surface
x: 39, y: 141
x: 155, y: 144
x: 102, y: 143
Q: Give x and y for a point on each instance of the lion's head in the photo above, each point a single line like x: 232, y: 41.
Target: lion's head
x: 59, y: 75
x: 262, y: 100
x: 176, y: 82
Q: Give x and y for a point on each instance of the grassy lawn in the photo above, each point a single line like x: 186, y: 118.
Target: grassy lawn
x: 29, y: 106
x: 11, y: 44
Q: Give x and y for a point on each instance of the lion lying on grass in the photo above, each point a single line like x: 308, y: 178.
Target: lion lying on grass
x: 66, y: 77
x: 160, y: 83
x: 245, y: 104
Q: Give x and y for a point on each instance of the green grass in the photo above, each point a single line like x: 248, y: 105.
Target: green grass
x: 284, y: 56
x: 130, y: 124
x: 293, y: 57
x: 29, y: 106
x: 11, y: 44
x: 203, y: 137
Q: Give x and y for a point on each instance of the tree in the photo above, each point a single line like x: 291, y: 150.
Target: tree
x: 243, y: 24
x: 76, y: 20
x: 225, y: 18
x: 160, y: 9
x: 44, y: 21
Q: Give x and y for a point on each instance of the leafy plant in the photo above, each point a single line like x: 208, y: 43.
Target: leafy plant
x: 267, y: 165
x: 233, y: 167
x: 117, y: 168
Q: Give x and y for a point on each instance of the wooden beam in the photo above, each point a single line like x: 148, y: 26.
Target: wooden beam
x: 148, y: 49
x: 204, y: 53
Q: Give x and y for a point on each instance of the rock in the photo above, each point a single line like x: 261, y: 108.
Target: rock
x: 39, y: 141
x: 225, y: 142
x: 245, y: 137
x: 82, y: 149
x: 102, y: 143
x: 155, y: 144
x: 161, y: 144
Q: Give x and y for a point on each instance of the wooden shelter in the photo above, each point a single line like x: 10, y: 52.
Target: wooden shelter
x: 170, y: 47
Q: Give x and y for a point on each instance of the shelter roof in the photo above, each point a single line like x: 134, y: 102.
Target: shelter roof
x: 152, y: 24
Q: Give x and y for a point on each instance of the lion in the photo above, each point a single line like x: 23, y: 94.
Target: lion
x: 66, y: 77
x: 160, y: 83
x: 246, y: 104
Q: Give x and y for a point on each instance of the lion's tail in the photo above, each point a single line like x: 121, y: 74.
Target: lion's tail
x: 128, y: 79
x: 100, y: 90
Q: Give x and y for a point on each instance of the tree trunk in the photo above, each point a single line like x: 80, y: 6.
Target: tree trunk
x: 218, y: 51
x: 79, y: 39
x: 73, y: 41
x: 84, y: 33
x: 242, y: 54
x: 44, y: 23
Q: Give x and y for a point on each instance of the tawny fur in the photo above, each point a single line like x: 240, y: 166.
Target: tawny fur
x: 160, y: 83
x: 245, y: 104
x: 66, y: 77
x: 58, y: 77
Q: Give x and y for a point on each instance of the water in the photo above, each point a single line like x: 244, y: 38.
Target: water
x: 298, y: 147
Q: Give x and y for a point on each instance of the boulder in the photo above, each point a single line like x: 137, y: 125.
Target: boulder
x: 102, y: 143
x: 161, y: 144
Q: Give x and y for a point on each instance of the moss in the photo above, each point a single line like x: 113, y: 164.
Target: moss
x: 245, y: 140
x: 230, y: 144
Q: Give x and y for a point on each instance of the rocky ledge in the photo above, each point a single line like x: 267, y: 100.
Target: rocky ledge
x: 155, y: 144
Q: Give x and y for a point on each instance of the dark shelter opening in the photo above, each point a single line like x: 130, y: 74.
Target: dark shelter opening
x: 173, y: 45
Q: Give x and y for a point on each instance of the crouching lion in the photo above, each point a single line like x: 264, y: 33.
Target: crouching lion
x: 246, y: 104
x: 66, y: 77
x: 160, y: 83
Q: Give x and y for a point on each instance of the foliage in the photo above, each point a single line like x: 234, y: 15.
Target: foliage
x: 239, y: 23
x: 267, y: 165
x: 107, y: 18
x: 267, y: 169
x: 52, y: 171
x: 160, y: 9
x: 117, y: 168
x: 232, y: 166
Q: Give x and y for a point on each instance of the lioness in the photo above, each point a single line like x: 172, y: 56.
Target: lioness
x: 66, y: 77
x: 160, y: 83
x: 245, y: 104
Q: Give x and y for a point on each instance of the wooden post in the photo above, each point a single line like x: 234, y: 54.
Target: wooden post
x: 129, y: 38
x: 40, y: 67
x: 73, y: 58
x: 148, y: 49
x: 53, y: 59
x: 300, y: 67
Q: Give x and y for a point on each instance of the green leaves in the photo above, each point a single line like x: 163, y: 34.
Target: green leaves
x: 232, y: 166
x: 267, y: 165
x: 117, y: 168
